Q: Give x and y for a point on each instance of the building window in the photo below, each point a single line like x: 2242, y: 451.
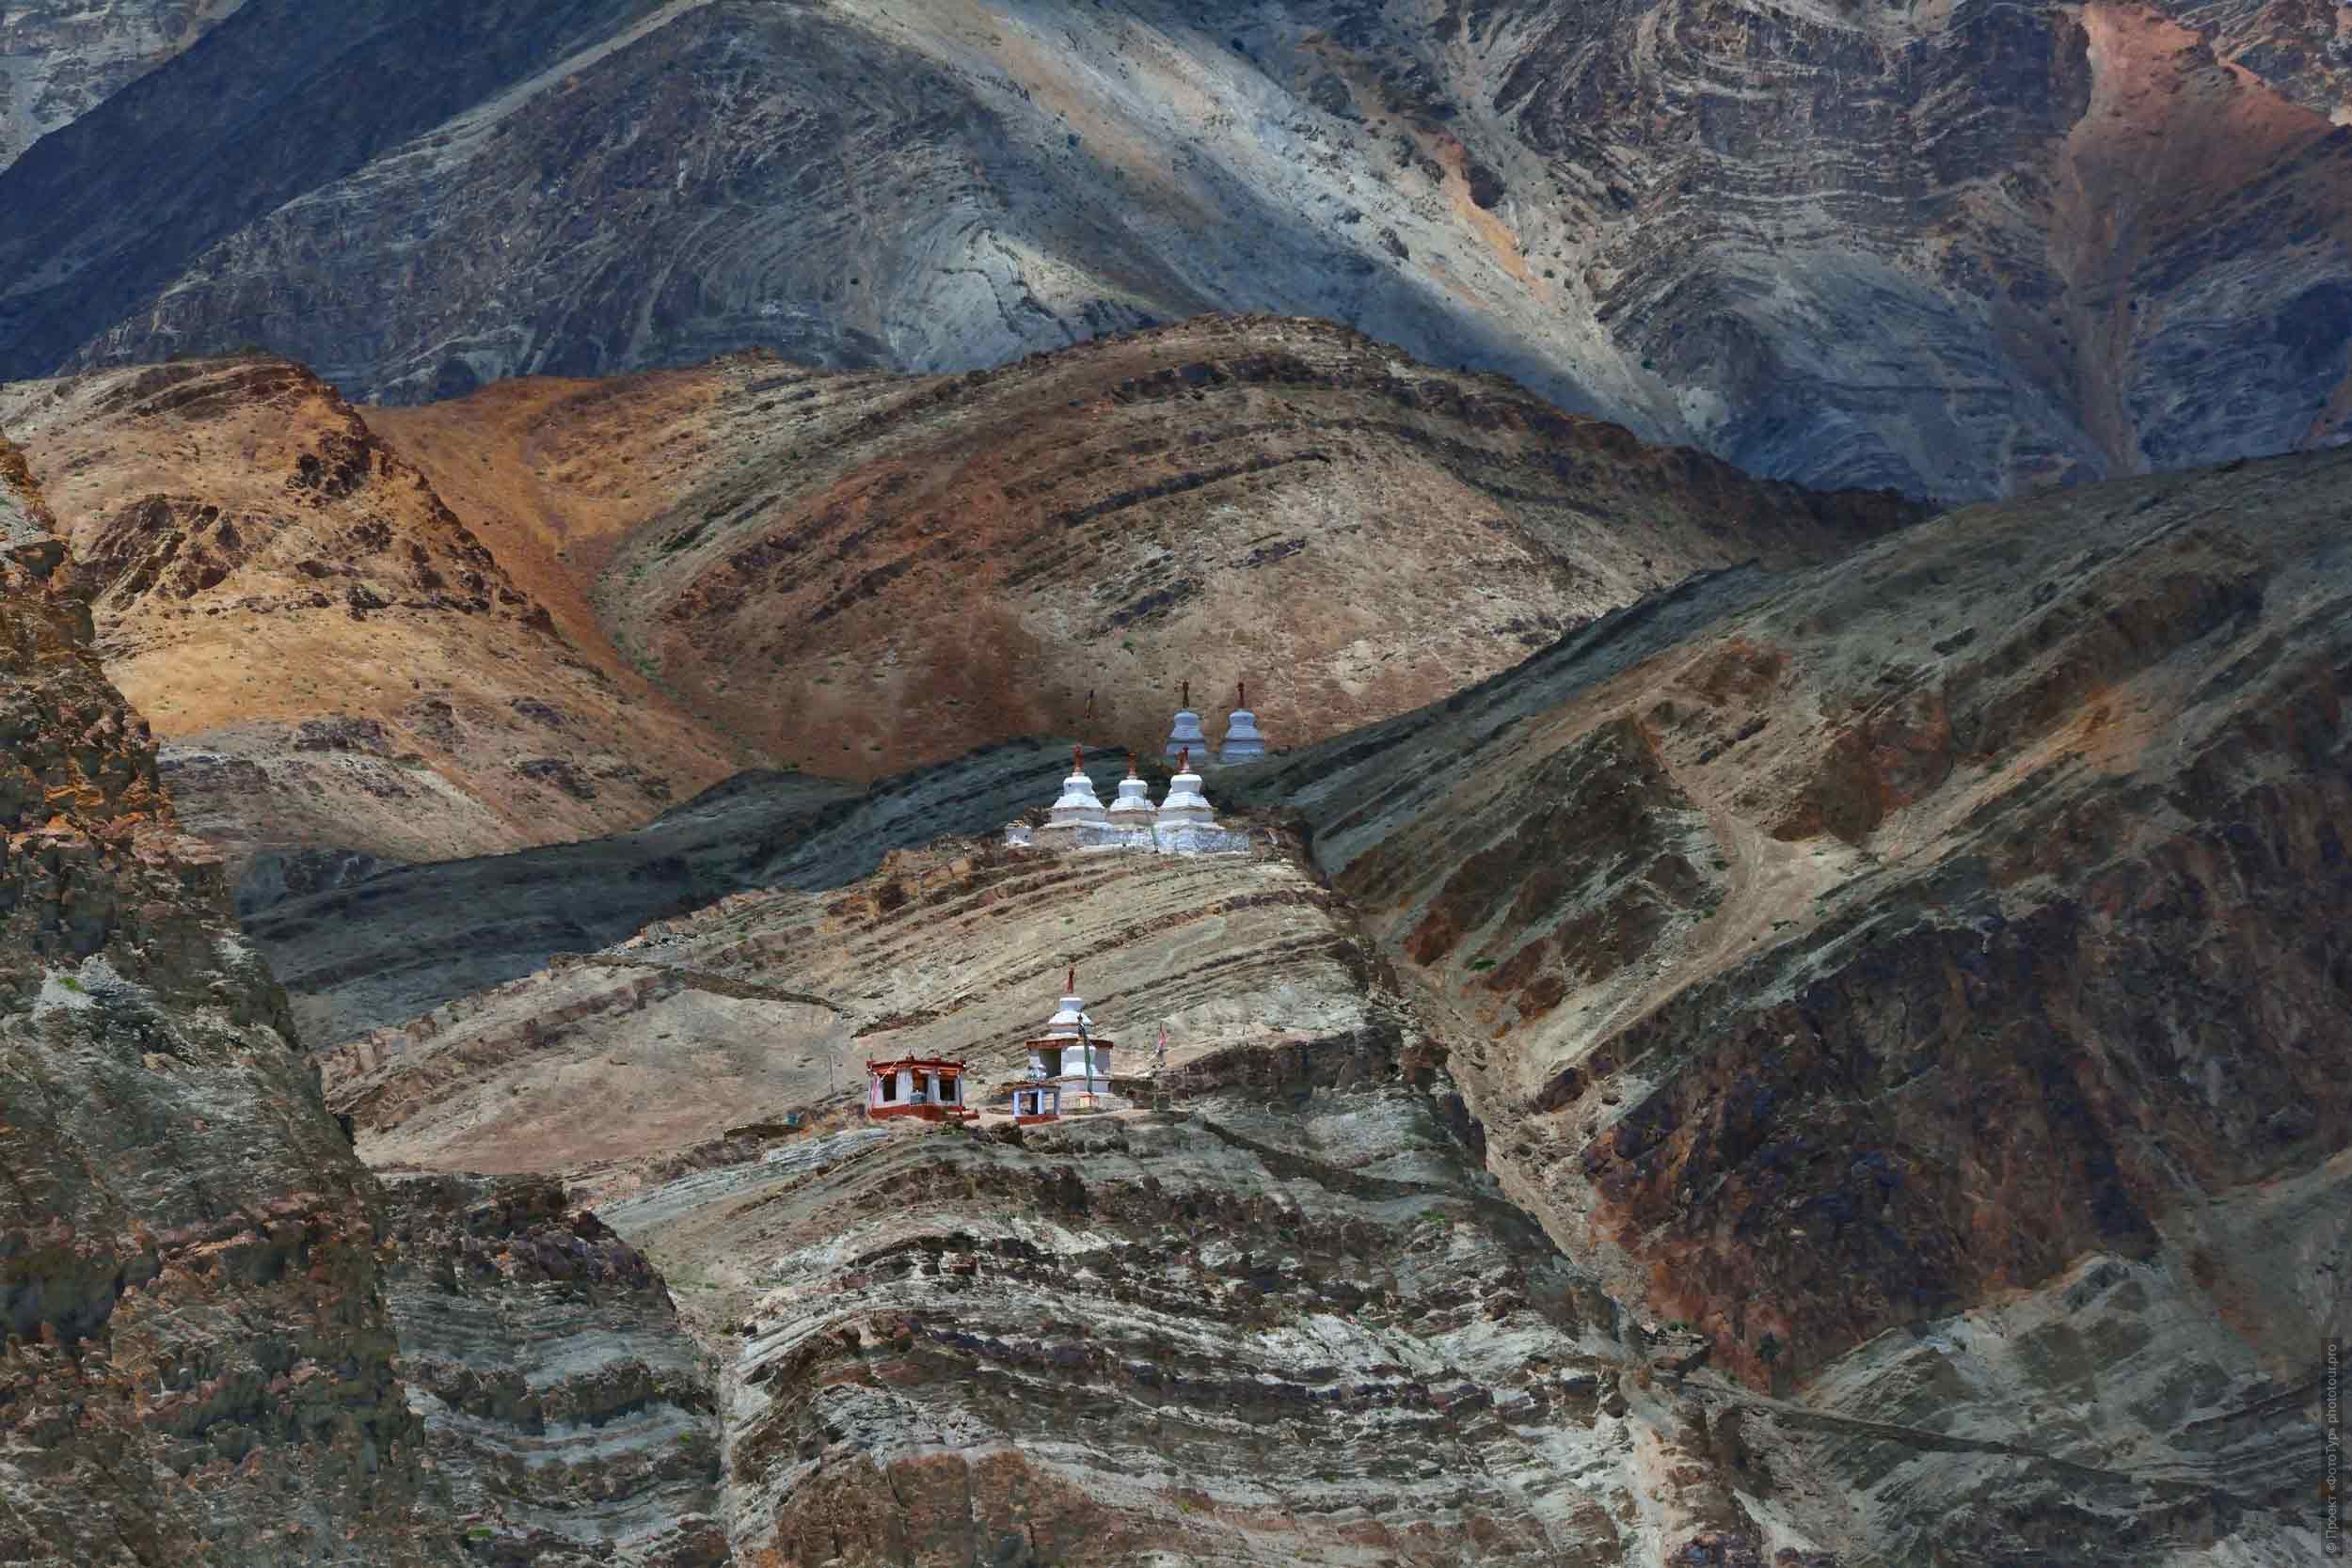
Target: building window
x: 889, y: 1083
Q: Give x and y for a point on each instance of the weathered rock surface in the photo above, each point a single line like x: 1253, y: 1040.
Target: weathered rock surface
x: 198, y: 1366
x: 1914, y: 974
x: 336, y: 661
x: 1295, y: 1326
x: 1954, y: 249
x: 573, y: 1419
x: 1909, y: 984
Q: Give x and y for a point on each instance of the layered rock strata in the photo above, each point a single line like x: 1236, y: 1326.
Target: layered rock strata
x: 862, y: 577
x: 571, y: 1417
x: 1930, y: 946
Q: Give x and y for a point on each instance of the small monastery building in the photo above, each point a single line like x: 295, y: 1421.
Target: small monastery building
x: 927, y: 1088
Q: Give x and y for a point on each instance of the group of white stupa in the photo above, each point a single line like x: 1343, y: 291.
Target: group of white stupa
x: 1182, y: 823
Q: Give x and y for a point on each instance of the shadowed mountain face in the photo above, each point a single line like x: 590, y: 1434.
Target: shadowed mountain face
x: 60, y: 58
x: 1953, y: 249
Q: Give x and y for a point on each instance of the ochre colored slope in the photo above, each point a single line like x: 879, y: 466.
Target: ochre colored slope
x: 336, y: 657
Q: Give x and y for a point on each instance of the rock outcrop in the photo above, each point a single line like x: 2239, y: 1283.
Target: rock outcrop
x: 1294, y: 1325
x: 1288, y: 1320
x: 223, y: 1344
x: 573, y: 1419
x: 337, y: 664
x: 1958, y: 249
x: 199, y: 1365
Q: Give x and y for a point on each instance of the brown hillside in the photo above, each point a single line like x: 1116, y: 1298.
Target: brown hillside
x: 333, y: 657
x: 859, y: 574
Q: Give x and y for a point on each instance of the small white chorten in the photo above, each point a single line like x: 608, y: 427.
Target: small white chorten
x: 1133, y: 810
x: 1070, y: 1052
x: 1185, y: 806
x: 1184, y: 735
x: 1079, y: 806
x: 1243, y: 743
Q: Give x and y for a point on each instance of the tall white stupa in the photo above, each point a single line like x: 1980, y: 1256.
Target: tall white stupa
x: 1185, y: 806
x: 1243, y: 743
x: 1134, y: 812
x: 1184, y: 735
x: 1070, y: 1054
x: 1079, y: 806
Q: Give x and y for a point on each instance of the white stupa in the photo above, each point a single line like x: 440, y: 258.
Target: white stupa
x: 1184, y: 734
x: 1070, y: 1052
x: 1243, y: 743
x: 1134, y: 811
x: 1079, y: 806
x: 1185, y: 806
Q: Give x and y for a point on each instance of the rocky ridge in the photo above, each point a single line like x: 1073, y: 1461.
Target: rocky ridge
x: 222, y: 1343
x: 1960, y: 249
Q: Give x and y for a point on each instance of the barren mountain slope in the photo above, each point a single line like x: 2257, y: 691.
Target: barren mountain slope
x: 389, y: 946
x: 861, y: 574
x: 1954, y: 249
x: 938, y: 1345
x: 335, y: 659
x: 1945, y: 930
x: 60, y: 58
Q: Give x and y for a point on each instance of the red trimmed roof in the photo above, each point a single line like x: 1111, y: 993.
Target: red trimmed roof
x: 920, y: 1064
